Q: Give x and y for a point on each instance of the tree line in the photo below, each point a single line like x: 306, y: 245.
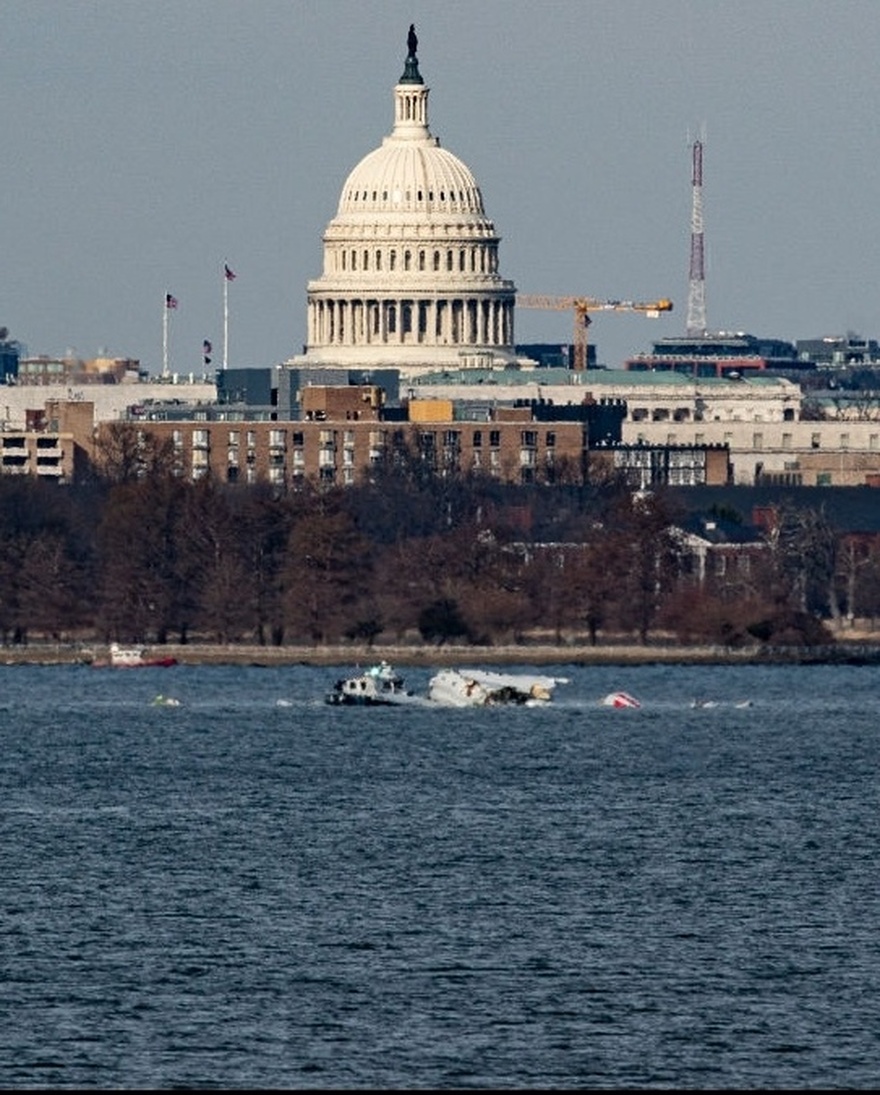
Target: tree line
x: 137, y: 554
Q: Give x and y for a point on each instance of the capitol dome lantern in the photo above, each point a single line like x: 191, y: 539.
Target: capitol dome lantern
x: 410, y: 276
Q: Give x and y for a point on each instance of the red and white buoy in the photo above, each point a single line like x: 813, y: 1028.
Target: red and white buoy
x: 620, y: 699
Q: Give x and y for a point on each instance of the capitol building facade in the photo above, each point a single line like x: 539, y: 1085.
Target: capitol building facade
x: 411, y: 276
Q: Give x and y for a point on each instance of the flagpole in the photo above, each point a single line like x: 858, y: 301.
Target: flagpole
x: 165, y: 335
x: 225, y: 315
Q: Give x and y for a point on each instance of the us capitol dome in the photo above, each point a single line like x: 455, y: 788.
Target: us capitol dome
x: 410, y: 277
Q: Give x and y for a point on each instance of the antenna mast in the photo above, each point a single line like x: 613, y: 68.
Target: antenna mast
x: 696, y: 313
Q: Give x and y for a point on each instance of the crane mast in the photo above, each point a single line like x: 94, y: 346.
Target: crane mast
x: 582, y: 306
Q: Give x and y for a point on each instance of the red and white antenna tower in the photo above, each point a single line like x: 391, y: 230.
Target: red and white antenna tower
x: 696, y: 314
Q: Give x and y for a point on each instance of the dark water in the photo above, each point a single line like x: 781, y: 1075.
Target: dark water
x: 240, y: 893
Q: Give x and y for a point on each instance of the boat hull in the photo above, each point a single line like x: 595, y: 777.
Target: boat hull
x: 133, y: 657
x: 378, y: 687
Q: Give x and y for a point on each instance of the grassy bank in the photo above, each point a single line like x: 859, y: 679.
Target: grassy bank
x: 850, y: 651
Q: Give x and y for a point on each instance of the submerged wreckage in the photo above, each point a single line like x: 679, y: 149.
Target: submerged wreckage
x: 381, y: 685
x: 484, y: 688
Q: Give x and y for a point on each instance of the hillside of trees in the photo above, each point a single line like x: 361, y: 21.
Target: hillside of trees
x: 412, y: 554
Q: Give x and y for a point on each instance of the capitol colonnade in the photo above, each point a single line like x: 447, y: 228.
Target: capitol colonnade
x: 473, y: 321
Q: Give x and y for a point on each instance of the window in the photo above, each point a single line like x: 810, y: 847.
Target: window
x: 478, y: 439
x: 495, y: 438
x: 551, y: 439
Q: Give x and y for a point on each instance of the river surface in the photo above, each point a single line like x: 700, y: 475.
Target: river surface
x: 254, y: 889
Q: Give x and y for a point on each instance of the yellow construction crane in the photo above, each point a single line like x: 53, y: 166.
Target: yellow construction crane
x: 582, y: 306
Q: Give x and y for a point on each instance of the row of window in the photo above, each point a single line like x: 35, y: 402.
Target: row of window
x: 785, y: 442
x: 483, y: 260
x: 16, y: 442
x: 278, y: 475
x: 684, y: 414
x: 470, y: 196
x: 201, y: 439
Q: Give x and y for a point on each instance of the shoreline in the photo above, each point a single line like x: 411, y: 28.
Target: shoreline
x: 848, y: 651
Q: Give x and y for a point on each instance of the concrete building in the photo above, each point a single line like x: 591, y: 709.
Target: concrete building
x: 109, y: 402
x: 55, y: 444
x: 722, y: 353
x: 343, y: 448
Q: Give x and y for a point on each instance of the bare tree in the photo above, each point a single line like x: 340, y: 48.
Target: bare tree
x: 126, y: 452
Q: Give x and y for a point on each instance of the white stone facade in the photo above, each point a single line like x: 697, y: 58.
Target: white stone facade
x: 411, y: 270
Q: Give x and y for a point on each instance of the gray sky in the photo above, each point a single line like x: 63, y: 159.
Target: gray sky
x: 145, y: 142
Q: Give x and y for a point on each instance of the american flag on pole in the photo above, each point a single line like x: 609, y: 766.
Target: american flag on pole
x: 230, y: 276
x: 170, y: 301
